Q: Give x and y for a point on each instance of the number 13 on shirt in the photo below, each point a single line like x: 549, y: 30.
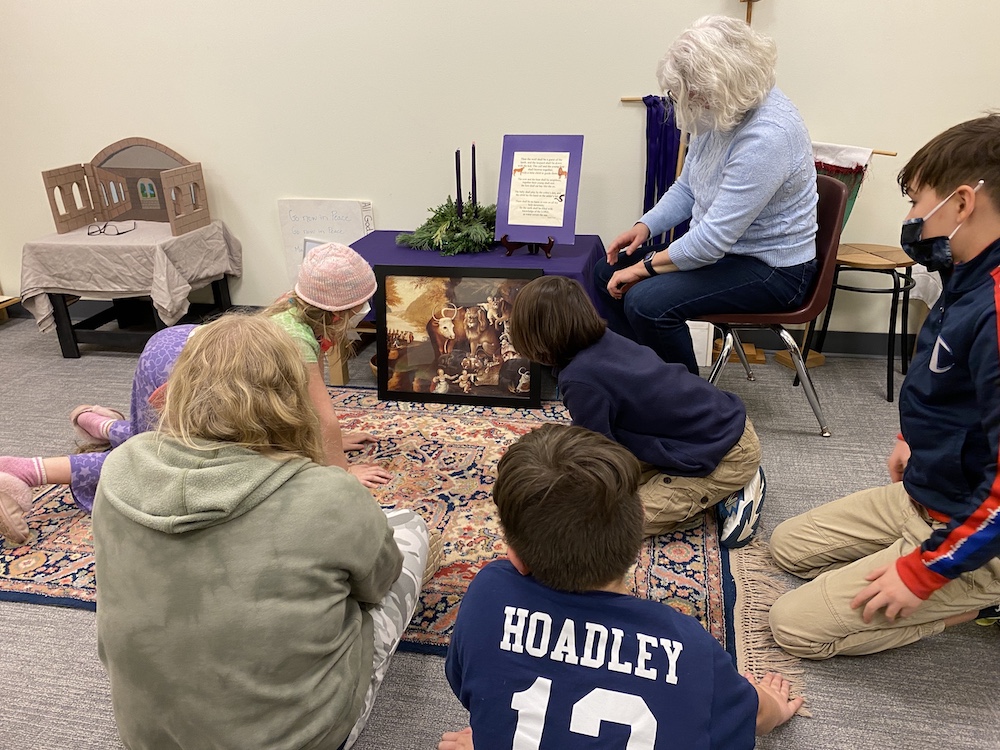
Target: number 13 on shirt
x: 597, y: 706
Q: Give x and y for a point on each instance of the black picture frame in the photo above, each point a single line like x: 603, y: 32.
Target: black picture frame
x: 441, y: 336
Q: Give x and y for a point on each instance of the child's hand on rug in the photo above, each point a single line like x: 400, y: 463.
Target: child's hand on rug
x: 370, y: 475
x: 355, y: 441
x: 456, y: 740
x: 774, y: 707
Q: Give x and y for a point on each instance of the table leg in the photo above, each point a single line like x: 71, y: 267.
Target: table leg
x: 904, y: 352
x: 64, y: 327
x: 220, y: 294
x: 821, y: 340
x: 891, y: 345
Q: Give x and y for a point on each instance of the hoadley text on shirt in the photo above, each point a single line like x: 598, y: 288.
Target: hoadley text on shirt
x: 591, y: 645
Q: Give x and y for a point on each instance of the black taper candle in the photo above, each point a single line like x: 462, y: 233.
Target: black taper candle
x: 458, y: 182
x: 474, y: 201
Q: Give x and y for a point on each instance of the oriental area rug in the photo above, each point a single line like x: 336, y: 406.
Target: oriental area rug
x: 443, y: 458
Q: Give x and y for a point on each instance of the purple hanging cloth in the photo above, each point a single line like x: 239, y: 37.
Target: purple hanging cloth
x: 663, y: 143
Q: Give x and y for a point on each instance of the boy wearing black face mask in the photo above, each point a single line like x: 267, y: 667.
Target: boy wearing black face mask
x: 898, y: 563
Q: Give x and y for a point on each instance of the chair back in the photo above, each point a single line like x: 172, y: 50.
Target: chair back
x: 830, y: 212
x: 830, y: 220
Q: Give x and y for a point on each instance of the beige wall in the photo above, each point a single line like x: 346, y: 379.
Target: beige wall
x: 339, y: 99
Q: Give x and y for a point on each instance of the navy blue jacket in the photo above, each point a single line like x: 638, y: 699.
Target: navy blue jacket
x: 663, y: 414
x: 949, y: 414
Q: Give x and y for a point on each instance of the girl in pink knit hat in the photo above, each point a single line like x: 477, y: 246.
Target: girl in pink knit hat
x: 329, y: 299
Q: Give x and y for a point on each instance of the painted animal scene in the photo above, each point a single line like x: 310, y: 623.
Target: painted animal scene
x: 446, y: 338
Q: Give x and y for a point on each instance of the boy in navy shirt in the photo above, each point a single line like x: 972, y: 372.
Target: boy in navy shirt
x: 551, y: 649
x: 697, y: 447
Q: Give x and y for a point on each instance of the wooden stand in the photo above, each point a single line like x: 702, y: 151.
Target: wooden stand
x: 755, y: 356
x: 336, y: 359
x: 336, y: 365
x: 6, y: 302
x: 533, y: 247
x: 815, y: 359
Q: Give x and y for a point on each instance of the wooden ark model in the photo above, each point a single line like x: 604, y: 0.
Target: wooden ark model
x: 132, y: 179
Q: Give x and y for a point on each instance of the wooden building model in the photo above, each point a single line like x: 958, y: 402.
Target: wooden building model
x: 132, y: 179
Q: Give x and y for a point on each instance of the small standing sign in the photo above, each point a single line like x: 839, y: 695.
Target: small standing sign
x: 539, y: 188
x: 343, y: 221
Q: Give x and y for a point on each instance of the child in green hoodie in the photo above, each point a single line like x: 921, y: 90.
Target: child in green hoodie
x: 249, y: 596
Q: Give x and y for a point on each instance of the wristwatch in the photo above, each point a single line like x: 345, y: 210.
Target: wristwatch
x: 648, y: 263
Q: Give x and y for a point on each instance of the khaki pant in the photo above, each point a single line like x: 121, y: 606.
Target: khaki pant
x: 672, y: 503
x: 840, y: 543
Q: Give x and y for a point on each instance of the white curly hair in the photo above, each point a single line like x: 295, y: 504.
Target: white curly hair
x: 717, y: 71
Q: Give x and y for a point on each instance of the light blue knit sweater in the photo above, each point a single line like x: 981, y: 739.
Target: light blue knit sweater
x: 750, y: 191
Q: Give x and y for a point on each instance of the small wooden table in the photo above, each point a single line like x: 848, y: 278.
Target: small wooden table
x: 147, y: 261
x: 883, y: 259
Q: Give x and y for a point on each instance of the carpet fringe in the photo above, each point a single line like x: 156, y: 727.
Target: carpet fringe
x: 761, y: 583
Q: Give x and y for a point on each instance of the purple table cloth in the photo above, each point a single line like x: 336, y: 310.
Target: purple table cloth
x: 574, y: 261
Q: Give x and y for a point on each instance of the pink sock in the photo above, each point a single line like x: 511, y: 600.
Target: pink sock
x: 96, y: 425
x: 31, y: 471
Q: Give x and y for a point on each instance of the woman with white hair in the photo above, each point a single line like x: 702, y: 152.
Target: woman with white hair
x: 748, y: 187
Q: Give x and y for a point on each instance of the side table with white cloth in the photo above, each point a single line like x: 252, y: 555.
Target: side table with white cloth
x: 144, y: 262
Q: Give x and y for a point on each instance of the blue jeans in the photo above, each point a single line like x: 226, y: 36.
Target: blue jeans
x: 655, y: 311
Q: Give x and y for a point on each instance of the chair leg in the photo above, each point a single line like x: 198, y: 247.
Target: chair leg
x: 806, y: 344
x: 725, y: 351
x: 743, y: 356
x: 807, y: 384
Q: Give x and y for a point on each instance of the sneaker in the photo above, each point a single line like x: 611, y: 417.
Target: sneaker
x: 739, y: 514
x: 989, y: 616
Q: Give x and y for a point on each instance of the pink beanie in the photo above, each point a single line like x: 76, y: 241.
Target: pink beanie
x: 334, y: 277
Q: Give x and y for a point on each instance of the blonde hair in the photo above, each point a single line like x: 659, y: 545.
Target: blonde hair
x: 325, y: 324
x: 717, y: 71
x: 241, y: 380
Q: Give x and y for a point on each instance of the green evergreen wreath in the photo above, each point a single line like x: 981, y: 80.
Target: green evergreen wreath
x: 445, y: 232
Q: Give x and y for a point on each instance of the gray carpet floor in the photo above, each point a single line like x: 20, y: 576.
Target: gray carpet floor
x: 937, y: 693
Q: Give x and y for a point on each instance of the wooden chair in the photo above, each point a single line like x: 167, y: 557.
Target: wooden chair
x: 830, y: 218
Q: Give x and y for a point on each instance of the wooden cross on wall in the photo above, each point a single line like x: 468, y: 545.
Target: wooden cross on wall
x: 749, y: 9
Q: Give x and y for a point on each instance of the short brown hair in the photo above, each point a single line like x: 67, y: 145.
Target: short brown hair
x: 568, y: 504
x: 962, y: 155
x: 241, y: 380
x: 552, y: 319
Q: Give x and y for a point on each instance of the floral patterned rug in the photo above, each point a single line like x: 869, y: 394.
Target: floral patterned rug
x: 444, y: 457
